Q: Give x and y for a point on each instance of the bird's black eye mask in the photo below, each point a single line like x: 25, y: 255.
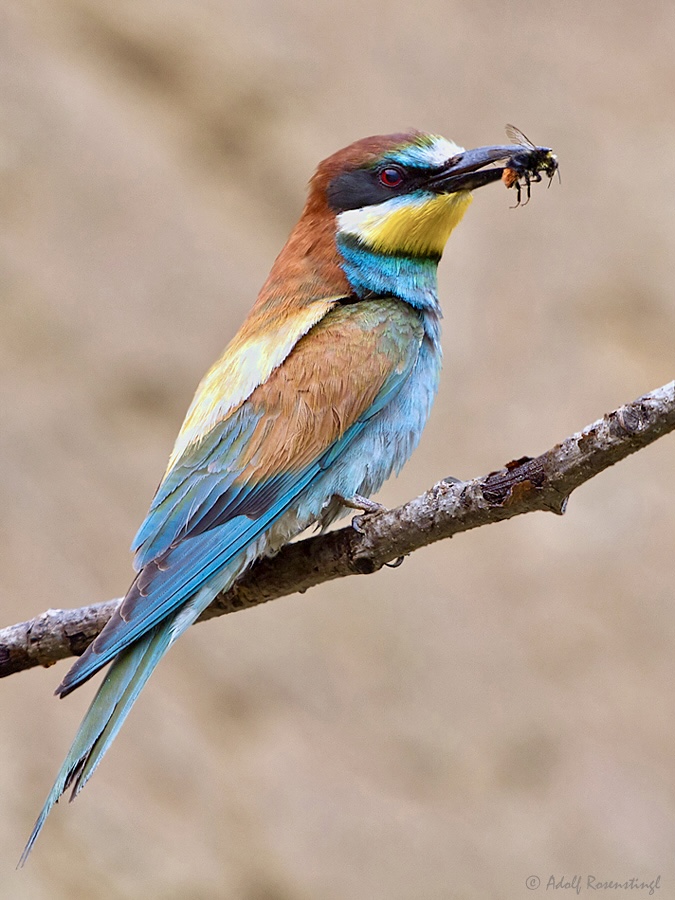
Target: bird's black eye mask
x: 367, y: 187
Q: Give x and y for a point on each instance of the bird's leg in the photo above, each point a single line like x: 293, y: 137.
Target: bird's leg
x: 368, y: 507
x: 363, y: 503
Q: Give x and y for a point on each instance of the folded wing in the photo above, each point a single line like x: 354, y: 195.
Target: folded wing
x: 231, y: 484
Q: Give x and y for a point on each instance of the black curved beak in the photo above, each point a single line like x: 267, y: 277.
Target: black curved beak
x: 466, y: 172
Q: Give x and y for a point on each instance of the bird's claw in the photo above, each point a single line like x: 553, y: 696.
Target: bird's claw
x: 368, y: 507
x: 357, y: 524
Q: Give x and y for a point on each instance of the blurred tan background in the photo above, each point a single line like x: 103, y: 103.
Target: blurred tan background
x: 501, y: 706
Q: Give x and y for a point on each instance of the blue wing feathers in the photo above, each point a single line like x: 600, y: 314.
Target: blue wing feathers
x: 164, y: 584
x: 162, y: 589
x: 233, y: 521
x: 209, y: 468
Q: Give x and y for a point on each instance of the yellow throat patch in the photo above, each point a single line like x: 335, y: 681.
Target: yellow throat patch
x: 411, y: 226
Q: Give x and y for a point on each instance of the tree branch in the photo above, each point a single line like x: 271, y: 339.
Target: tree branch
x: 525, y: 485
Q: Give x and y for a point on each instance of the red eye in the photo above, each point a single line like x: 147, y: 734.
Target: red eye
x: 391, y: 177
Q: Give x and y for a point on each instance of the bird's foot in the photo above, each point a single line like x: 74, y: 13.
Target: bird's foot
x: 368, y: 507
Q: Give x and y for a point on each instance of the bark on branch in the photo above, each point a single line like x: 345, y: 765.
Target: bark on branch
x: 524, y: 485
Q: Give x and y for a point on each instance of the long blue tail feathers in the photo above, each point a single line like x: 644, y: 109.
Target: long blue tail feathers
x: 117, y: 694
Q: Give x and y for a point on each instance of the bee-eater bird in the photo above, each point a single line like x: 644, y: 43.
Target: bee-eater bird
x: 321, y: 395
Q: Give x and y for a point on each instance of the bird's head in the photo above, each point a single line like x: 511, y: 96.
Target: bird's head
x: 401, y: 194
x: 377, y: 218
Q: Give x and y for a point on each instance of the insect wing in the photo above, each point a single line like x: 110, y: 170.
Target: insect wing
x: 516, y: 136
